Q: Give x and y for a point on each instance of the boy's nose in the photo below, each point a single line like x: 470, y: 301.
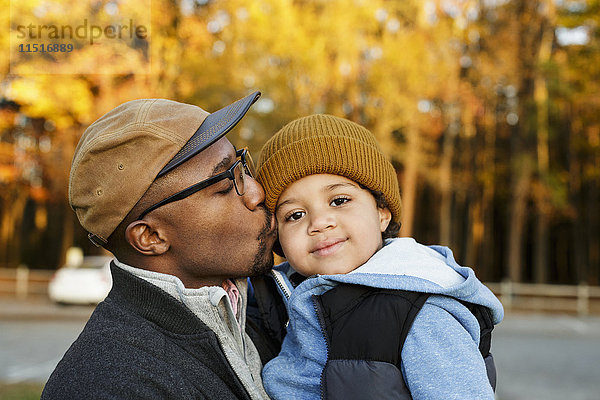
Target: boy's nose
x: 320, y: 222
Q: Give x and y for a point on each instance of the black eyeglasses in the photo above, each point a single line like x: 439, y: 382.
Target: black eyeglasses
x: 237, y: 173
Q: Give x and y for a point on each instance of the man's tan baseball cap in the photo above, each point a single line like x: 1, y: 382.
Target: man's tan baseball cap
x: 124, y: 151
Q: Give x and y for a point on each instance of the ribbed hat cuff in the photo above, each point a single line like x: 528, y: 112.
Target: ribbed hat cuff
x: 329, y: 154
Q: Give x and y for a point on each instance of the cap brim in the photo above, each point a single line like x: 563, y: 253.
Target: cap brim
x: 214, y: 127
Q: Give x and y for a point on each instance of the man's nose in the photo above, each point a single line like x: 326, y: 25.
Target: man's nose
x: 254, y: 194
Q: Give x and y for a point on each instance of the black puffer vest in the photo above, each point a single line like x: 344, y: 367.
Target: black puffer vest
x: 361, y: 325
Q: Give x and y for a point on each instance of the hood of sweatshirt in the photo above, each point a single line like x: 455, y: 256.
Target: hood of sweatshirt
x: 404, y: 264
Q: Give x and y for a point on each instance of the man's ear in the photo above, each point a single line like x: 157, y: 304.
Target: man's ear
x: 385, y: 216
x: 146, y: 239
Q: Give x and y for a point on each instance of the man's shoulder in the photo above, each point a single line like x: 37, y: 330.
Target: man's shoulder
x: 119, y: 354
x: 112, y: 334
x: 105, y: 357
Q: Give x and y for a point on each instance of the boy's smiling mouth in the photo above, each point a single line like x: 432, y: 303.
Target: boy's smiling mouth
x: 327, y: 247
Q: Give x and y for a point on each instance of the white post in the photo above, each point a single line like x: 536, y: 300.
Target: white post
x: 22, y: 281
x: 583, y: 297
x: 506, y: 293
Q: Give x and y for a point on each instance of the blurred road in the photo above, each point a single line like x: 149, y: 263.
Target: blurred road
x: 34, y: 336
x: 550, y: 357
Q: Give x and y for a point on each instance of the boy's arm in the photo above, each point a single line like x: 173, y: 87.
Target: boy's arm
x: 441, y: 358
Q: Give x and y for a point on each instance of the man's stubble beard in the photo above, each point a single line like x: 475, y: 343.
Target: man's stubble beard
x: 263, y: 260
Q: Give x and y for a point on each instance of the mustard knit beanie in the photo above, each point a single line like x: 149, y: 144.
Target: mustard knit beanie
x: 324, y: 144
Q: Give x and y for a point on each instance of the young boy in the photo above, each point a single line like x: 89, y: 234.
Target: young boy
x: 375, y: 316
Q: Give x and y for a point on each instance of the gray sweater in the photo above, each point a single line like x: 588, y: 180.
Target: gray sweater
x: 141, y: 343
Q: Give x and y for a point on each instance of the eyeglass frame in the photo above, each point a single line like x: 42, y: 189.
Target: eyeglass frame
x: 244, y: 158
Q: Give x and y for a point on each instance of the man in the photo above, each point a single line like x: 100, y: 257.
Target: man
x: 157, y: 183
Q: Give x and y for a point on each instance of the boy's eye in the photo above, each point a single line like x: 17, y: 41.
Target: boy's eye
x: 295, y: 216
x: 338, y: 201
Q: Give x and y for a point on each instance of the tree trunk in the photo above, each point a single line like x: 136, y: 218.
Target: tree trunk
x: 445, y: 187
x: 581, y: 225
x: 592, y: 221
x: 12, y: 216
x: 68, y: 233
x: 475, y: 237
x: 540, y: 272
x: 409, y: 183
x: 5, y: 231
x: 488, y: 127
x: 540, y: 94
x: 518, y: 208
x: 523, y: 134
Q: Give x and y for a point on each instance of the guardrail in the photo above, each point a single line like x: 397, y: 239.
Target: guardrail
x: 23, y: 282
x: 579, y: 299
x: 574, y: 299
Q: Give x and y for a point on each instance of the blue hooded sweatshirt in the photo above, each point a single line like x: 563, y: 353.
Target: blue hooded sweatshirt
x: 440, y: 357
